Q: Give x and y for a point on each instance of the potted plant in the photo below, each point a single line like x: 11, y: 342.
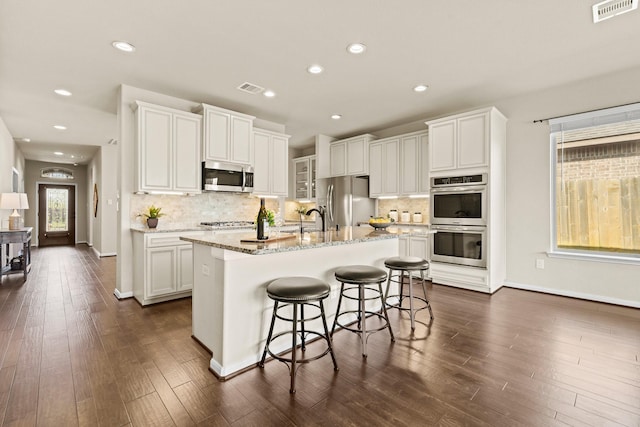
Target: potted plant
x: 152, y: 215
x: 302, y: 211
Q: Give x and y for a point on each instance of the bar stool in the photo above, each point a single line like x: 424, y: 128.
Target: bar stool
x: 297, y: 292
x: 360, y: 278
x: 398, y: 266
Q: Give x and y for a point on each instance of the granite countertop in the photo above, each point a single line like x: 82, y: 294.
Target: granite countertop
x: 317, y: 239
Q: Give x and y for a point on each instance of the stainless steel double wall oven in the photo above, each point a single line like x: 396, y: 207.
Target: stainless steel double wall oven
x: 458, y: 214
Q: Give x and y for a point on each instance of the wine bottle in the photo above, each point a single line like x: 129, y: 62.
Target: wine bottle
x: 263, y: 222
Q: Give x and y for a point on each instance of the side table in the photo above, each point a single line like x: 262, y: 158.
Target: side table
x: 22, y: 235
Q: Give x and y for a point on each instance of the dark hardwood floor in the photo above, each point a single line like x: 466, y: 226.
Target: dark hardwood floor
x: 71, y: 354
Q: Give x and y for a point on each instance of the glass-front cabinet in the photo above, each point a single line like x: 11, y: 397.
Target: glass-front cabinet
x: 304, y: 178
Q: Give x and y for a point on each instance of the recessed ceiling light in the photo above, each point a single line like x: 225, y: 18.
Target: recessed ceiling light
x: 58, y: 153
x: 25, y: 139
x: 123, y: 46
x: 336, y: 116
x: 315, y: 69
x: 356, y: 48
x: 62, y: 92
x: 60, y: 127
x: 421, y: 88
x: 269, y: 93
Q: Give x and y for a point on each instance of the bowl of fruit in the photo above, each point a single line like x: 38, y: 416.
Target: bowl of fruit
x: 379, y: 222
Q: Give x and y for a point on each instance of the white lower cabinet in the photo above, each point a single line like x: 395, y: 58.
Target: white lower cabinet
x: 162, y: 267
x: 415, y: 245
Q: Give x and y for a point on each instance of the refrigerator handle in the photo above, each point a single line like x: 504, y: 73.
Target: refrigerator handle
x: 330, y: 202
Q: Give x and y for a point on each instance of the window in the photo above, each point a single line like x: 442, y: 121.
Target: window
x: 596, y: 183
x: 57, y: 173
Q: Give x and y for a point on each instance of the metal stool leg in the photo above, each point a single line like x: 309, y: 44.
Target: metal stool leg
x: 411, y: 312
x: 335, y: 319
x: 424, y: 289
x: 293, y: 349
x: 386, y: 315
x: 326, y: 331
x: 302, y: 337
x: 266, y: 344
x: 363, y: 317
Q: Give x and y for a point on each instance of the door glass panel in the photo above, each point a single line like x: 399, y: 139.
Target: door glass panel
x: 57, y: 209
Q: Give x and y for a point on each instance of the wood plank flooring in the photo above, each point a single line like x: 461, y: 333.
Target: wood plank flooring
x: 71, y: 354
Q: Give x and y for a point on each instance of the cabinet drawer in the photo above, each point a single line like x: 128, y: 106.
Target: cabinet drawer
x: 170, y: 239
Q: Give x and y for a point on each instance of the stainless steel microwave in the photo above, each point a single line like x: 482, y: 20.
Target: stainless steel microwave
x: 220, y: 176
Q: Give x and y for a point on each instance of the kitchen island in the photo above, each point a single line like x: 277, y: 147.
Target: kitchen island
x: 231, y: 311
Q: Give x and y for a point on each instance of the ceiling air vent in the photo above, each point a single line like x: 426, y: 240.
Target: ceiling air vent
x: 250, y: 88
x: 610, y: 8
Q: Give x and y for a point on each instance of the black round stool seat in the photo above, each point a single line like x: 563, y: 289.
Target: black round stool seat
x: 360, y: 274
x: 291, y: 295
x: 406, y: 263
x: 298, y: 289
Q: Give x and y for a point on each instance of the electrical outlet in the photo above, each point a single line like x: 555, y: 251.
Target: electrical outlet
x: 205, y: 270
x: 540, y: 263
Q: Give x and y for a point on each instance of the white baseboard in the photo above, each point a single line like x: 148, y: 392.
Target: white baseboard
x: 572, y: 294
x: 122, y: 295
x: 103, y: 254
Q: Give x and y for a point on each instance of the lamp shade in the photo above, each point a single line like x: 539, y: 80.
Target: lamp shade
x: 14, y: 201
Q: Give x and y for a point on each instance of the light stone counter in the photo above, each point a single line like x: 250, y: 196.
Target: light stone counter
x: 345, y: 236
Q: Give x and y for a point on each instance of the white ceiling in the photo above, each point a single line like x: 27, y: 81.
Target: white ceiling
x: 470, y: 53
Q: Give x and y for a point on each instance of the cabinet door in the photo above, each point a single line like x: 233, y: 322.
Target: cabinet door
x: 261, y: 181
x: 338, y: 159
x: 419, y: 246
x: 216, y: 141
x: 312, y: 176
x: 403, y: 245
x: 185, y: 268
x: 154, y: 149
x: 161, y: 271
x: 376, y: 170
x: 473, y: 136
x: 390, y: 170
x: 424, y: 184
x: 241, y: 144
x: 409, y: 172
x: 357, y: 156
x: 301, y: 174
x: 442, y: 146
x: 186, y: 154
x: 279, y: 160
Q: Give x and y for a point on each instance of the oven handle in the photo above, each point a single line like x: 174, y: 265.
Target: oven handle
x: 466, y: 189
x: 477, y: 228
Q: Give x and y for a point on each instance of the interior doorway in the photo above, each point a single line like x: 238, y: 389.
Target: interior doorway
x: 56, y: 215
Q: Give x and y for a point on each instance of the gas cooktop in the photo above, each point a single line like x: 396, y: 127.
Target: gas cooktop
x: 227, y: 223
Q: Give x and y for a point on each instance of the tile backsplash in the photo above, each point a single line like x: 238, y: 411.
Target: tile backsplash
x: 405, y: 204
x: 191, y: 210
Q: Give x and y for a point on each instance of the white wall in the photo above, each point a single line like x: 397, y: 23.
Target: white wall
x: 10, y: 157
x: 528, y: 193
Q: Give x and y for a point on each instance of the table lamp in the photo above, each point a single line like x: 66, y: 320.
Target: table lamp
x: 14, y: 201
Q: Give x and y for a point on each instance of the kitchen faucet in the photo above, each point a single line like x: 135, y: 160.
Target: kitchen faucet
x: 322, y: 212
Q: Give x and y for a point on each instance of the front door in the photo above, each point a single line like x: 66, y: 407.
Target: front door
x: 56, y: 215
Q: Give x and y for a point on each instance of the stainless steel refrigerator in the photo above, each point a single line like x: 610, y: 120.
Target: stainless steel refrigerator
x: 346, y: 200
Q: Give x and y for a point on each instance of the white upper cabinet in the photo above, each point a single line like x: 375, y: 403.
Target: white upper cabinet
x: 226, y: 135
x: 462, y: 141
x: 383, y: 167
x: 304, y: 178
x: 398, y: 165
x: 350, y: 156
x: 168, y: 149
x: 271, y: 159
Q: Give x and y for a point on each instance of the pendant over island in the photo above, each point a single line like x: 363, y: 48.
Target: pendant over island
x: 231, y: 311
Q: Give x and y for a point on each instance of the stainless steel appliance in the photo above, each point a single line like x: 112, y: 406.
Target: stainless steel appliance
x: 459, y: 200
x: 459, y: 244
x: 458, y: 215
x: 219, y: 176
x: 346, y: 199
